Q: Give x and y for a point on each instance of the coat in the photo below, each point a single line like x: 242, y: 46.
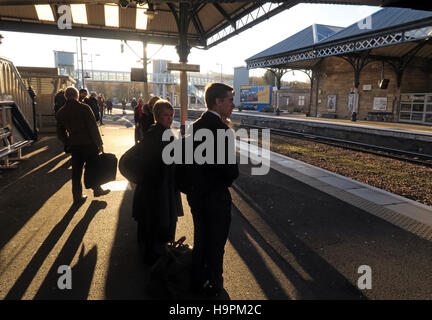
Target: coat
x: 76, y: 125
x: 157, y: 202
x: 92, y: 103
x: 207, y: 177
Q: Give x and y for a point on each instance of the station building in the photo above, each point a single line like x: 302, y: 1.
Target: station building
x: 380, y: 67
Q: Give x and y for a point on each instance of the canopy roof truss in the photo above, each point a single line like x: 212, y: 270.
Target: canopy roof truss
x: 410, y: 33
x: 203, y: 23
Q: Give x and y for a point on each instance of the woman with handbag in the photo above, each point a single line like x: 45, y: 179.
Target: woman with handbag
x: 157, y: 202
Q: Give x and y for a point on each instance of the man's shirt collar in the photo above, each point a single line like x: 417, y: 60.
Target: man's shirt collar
x: 214, y: 112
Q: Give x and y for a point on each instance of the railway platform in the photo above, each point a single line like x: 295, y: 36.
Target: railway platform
x: 298, y: 232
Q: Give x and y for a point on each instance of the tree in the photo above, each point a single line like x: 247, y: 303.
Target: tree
x: 277, y: 73
x: 269, y: 78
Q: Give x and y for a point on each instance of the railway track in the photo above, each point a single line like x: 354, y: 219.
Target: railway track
x: 411, y: 157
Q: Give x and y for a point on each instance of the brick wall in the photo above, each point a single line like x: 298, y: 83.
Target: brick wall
x: 292, y: 96
x: 336, y: 77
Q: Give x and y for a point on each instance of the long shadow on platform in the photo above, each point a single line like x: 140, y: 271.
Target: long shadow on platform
x: 239, y: 238
x: 20, y: 200
x: 129, y: 278
x: 325, y: 281
x: 126, y: 275
x: 64, y: 258
x: 84, y: 269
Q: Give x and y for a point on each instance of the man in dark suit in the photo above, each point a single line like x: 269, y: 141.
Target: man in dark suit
x: 77, y: 129
x: 210, y: 199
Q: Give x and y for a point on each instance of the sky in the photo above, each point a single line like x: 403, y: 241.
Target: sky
x: 36, y: 50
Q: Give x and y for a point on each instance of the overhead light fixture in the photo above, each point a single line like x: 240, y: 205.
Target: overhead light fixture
x: 79, y: 13
x: 44, y: 12
x: 123, y: 3
x: 111, y: 15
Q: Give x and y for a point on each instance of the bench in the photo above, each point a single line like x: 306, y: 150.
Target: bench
x: 8, y: 148
x: 380, y: 116
x: 329, y: 116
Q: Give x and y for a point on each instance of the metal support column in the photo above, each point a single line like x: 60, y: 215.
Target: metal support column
x: 145, y: 93
x: 183, y: 50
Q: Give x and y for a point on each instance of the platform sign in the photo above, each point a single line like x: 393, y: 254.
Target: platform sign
x: 353, y: 99
x: 183, y: 67
x: 255, y: 95
x: 380, y: 103
x: 137, y: 74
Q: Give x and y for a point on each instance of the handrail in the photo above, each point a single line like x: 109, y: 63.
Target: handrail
x: 167, y: 78
x: 12, y: 88
x: 199, y: 94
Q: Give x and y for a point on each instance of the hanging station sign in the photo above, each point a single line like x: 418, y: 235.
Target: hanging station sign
x: 183, y: 67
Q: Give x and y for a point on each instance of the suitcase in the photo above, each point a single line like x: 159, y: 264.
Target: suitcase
x: 101, y: 171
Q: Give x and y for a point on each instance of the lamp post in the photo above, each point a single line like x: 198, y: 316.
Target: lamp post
x: 91, y: 61
x: 82, y: 62
x: 217, y: 63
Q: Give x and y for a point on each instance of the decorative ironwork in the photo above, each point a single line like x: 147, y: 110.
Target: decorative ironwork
x: 389, y: 39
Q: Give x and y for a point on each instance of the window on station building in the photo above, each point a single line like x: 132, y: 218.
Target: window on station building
x: 111, y: 15
x: 79, y: 13
x: 141, y: 17
x: 44, y: 12
x: 301, y: 101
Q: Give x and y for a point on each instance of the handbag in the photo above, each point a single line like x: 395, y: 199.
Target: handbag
x: 142, y: 162
x: 101, y: 171
x: 129, y: 164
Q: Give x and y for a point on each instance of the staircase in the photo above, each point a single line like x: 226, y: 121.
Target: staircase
x: 17, y: 115
x: 198, y: 94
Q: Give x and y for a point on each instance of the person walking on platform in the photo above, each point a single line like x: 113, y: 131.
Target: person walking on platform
x: 109, y: 106
x: 157, y: 202
x: 134, y: 103
x: 77, y: 129
x: 144, y: 118
x: 90, y: 102
x: 101, y: 106
x: 138, y: 114
x: 59, y: 100
x: 124, y: 106
x: 209, y: 198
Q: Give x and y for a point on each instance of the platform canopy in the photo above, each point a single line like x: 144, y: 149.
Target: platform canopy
x: 394, y: 34
x: 203, y: 23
